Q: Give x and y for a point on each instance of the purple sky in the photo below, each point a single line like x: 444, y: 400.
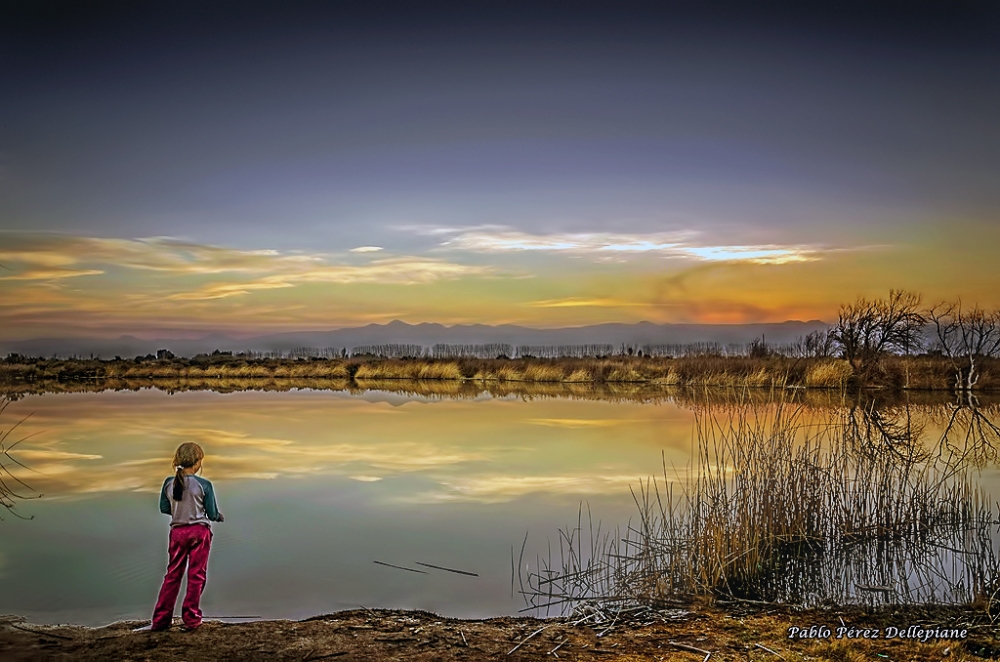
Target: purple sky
x: 851, y: 135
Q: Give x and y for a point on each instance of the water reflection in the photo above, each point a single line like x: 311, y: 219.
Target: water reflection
x: 317, y: 484
x: 489, y: 450
x: 638, y: 392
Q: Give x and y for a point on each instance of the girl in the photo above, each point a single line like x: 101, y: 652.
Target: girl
x: 190, y: 502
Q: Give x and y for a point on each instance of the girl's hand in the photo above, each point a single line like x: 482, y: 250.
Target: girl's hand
x: 222, y: 517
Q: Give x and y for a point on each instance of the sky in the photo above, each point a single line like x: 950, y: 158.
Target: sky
x: 255, y: 167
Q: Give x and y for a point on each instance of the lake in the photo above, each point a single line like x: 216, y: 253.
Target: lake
x: 318, y: 485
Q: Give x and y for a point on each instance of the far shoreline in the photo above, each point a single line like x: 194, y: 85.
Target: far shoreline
x: 892, y: 373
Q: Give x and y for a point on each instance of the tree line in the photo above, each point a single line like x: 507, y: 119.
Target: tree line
x: 866, y: 331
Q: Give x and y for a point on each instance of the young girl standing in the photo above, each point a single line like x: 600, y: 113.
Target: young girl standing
x: 190, y: 502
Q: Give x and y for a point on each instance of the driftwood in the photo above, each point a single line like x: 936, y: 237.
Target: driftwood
x: 693, y: 649
x: 765, y: 648
x: 544, y: 627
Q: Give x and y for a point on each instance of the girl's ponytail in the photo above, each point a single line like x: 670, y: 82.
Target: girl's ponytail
x: 187, y: 455
x: 179, y: 483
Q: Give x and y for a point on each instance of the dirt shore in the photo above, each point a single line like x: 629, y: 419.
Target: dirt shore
x: 666, y: 634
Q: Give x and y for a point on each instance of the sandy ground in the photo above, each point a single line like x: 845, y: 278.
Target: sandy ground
x: 742, y: 633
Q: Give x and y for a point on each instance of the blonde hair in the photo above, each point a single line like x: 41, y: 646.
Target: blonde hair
x: 187, y: 455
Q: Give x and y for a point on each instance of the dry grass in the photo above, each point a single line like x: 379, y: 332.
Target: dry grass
x: 834, y: 373
x: 759, y: 379
x: 440, y: 371
x: 579, y: 376
x: 894, y: 372
x: 375, y: 371
x: 670, y: 379
x: 507, y: 373
x: 389, y: 370
x: 624, y: 374
x: 542, y: 373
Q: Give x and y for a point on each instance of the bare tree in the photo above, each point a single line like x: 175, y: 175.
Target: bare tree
x: 965, y: 336
x: 868, y: 330
x: 819, y: 343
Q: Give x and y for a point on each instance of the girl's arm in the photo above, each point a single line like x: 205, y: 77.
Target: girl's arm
x: 164, y: 501
x: 211, y: 507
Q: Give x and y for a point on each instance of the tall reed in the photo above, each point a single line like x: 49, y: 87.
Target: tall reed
x: 778, y: 507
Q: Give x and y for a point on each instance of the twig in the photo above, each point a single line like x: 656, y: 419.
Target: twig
x: 733, y: 599
x: 765, y: 648
x: 558, y: 646
x: 693, y: 649
x: 464, y: 640
x: 526, y: 638
x: 39, y: 632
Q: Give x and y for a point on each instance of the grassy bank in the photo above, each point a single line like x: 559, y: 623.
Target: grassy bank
x: 894, y: 372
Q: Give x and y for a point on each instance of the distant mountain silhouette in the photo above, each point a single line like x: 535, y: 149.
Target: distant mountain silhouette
x: 426, y: 334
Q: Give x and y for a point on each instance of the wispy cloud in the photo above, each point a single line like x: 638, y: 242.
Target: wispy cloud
x: 224, y: 290
x: 501, y: 488
x: 55, y: 456
x: 162, y: 254
x: 52, y: 274
x: 46, y: 257
x: 768, y: 254
x: 395, y: 271
x: 579, y: 423
x: 580, y: 302
x: 494, y: 239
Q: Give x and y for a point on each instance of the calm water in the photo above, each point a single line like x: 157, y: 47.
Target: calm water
x: 316, y: 486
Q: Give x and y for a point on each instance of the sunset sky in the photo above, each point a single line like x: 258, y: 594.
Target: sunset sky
x: 248, y: 168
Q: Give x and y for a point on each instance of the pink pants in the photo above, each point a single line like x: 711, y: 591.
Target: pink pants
x: 189, y: 547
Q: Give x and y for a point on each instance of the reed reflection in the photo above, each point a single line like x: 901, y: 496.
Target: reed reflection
x: 12, y: 488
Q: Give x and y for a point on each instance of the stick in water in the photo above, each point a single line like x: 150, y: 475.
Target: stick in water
x: 441, y: 567
x: 399, y: 567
